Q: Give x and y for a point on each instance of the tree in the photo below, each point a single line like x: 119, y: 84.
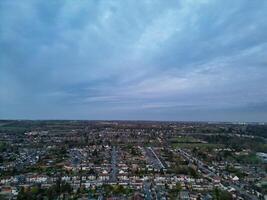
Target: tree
x: 178, y: 187
x: 21, y: 194
x: 221, y: 194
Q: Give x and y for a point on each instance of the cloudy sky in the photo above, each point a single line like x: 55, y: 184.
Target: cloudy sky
x: 126, y: 59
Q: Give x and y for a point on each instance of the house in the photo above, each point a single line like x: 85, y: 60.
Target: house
x: 184, y: 195
x: 122, y: 175
x: 104, y: 176
x: 235, y: 179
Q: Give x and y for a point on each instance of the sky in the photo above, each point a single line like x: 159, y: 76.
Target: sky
x: 185, y: 60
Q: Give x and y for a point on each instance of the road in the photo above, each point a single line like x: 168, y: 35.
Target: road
x: 154, y: 159
x: 204, y: 168
x: 147, y: 191
x: 114, y: 168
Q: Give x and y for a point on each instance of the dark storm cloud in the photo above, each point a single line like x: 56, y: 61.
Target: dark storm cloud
x: 169, y: 60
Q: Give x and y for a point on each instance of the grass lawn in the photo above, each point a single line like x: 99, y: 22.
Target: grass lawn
x: 184, y: 139
x: 193, y: 145
x: 191, y: 142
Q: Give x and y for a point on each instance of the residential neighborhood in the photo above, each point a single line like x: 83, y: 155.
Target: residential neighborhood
x: 132, y: 160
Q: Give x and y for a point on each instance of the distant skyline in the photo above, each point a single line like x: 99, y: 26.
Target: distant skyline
x: 179, y: 60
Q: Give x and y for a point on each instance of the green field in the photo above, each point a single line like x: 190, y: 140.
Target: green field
x: 191, y: 142
x: 184, y: 139
x: 193, y: 145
